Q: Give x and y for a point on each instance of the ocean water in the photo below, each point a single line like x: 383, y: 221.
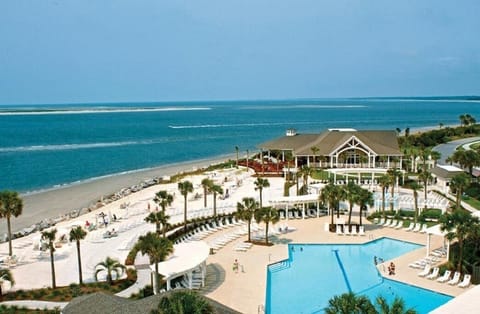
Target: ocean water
x: 46, y: 146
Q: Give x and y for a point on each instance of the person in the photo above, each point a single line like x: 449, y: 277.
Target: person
x: 375, y: 260
x: 114, y: 217
x: 235, y: 266
x: 391, y: 269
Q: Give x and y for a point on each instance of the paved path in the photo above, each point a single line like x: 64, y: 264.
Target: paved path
x: 447, y: 149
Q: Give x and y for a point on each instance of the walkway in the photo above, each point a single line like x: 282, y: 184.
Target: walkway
x: 447, y: 149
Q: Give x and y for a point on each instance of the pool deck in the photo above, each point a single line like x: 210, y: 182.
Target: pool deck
x: 245, y: 291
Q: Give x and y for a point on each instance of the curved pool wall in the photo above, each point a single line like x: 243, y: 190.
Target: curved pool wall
x: 314, y: 273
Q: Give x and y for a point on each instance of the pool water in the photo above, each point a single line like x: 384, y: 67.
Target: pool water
x: 314, y: 273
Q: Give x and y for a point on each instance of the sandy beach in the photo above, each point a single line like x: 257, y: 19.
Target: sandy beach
x: 57, y: 202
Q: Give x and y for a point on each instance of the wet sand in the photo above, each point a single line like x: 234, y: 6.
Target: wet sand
x: 61, y: 201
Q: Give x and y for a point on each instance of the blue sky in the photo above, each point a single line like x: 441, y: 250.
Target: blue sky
x: 62, y: 51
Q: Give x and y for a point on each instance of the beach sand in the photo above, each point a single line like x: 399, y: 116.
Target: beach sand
x: 61, y: 201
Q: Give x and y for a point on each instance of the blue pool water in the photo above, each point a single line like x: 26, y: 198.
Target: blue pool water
x: 315, y: 273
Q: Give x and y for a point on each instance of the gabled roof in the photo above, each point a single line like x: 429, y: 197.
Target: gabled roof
x: 381, y: 142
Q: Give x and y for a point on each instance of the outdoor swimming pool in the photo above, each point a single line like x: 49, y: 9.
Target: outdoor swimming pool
x: 316, y: 272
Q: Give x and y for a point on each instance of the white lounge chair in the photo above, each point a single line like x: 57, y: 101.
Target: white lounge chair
x: 361, y: 231
x: 425, y: 271
x: 345, y: 230
x: 354, y: 231
x: 445, y: 277
x: 466, y: 281
x: 381, y: 222
x: 388, y: 222
x: 339, y: 230
x: 417, y: 228
x: 455, y: 279
x: 434, y: 273
x: 424, y: 229
x: 400, y: 225
x: 393, y: 224
x: 411, y: 227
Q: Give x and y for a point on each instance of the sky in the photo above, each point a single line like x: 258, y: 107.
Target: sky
x: 76, y: 51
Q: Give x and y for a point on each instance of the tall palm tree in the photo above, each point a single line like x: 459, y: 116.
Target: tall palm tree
x: 5, y: 275
x: 111, y: 266
x: 246, y: 211
x: 331, y: 195
x: 164, y: 199
x: 206, y: 184
x: 458, y: 184
x: 365, y: 199
x: 384, y: 181
x: 268, y: 215
x: 157, y: 250
x: 305, y: 172
x: 215, y: 189
x: 77, y: 234
x: 467, y: 159
x: 185, y: 187
x: 349, y: 303
x: 159, y: 219
x: 425, y: 176
x: 458, y: 225
x: 50, y: 237
x: 352, y: 192
x: 314, y: 150
x: 394, y: 174
x: 397, y: 306
x: 261, y: 184
x: 11, y: 205
x: 415, y: 188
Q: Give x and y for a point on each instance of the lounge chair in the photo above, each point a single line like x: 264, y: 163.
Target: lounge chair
x: 411, y: 227
x: 424, y: 229
x: 381, y: 222
x: 445, y: 277
x: 345, y: 230
x: 466, y: 281
x: 361, y: 231
x: 388, y: 222
x: 425, y: 271
x: 393, y: 224
x: 339, y: 230
x: 434, y: 273
x: 354, y: 231
x: 417, y: 228
x: 400, y: 225
x: 455, y: 279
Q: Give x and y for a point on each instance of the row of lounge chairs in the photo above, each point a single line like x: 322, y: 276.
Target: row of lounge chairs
x: 398, y: 224
x: 345, y: 230
x: 309, y: 213
x: 433, y: 274
x: 208, y: 229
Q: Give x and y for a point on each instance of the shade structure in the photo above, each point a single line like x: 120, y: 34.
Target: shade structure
x: 185, y: 258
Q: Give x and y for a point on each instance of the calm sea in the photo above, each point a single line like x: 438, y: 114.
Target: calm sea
x: 45, y: 146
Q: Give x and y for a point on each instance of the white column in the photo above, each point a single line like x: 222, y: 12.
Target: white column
x: 190, y: 276
x: 286, y: 210
x: 169, y: 286
x: 303, y: 211
x: 318, y: 209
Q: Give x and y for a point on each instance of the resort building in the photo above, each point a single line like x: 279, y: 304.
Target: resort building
x: 348, y: 152
x: 443, y: 174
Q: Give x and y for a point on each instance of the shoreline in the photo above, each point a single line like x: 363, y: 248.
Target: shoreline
x: 61, y: 201
x: 56, y: 202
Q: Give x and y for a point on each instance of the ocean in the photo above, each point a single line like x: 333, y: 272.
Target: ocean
x: 48, y: 146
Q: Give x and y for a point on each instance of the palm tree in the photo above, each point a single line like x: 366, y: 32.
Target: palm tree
x: 351, y: 195
x: 349, y: 303
x: 260, y: 184
x: 246, y: 211
x: 458, y: 184
x: 314, y: 150
x: 77, y: 234
x: 236, y: 150
x: 110, y: 265
x: 466, y: 159
x: 425, y: 176
x: 11, y: 205
x: 185, y: 187
x: 305, y: 172
x: 164, y: 199
x: 159, y: 218
x: 50, y: 237
x: 458, y: 225
x: 393, y: 173
x: 267, y: 215
x: 215, y: 189
x: 185, y: 301
x: 397, y: 306
x: 436, y: 156
x: 463, y: 120
x: 157, y: 250
x: 384, y: 181
x: 331, y: 195
x: 206, y: 184
x: 365, y: 199
x: 5, y: 275
x: 415, y: 188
